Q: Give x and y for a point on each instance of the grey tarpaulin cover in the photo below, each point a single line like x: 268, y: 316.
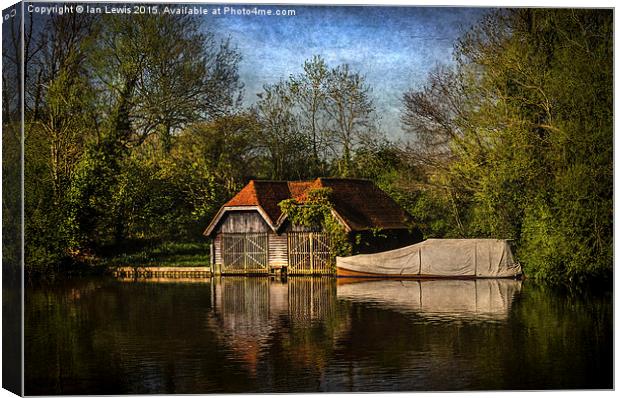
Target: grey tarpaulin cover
x: 440, y: 257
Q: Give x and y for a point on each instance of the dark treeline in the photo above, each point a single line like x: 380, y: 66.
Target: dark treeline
x: 135, y: 132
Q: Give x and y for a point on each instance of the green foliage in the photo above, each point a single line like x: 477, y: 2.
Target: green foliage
x: 315, y: 212
x: 430, y: 210
x: 386, y: 165
x: 530, y: 138
x: 11, y: 199
x: 134, y: 133
x: 165, y: 254
x: 313, y: 122
x: 104, y: 162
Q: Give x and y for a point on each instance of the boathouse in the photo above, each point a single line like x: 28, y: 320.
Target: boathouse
x: 251, y: 235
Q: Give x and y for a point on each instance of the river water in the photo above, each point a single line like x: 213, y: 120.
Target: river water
x: 243, y: 334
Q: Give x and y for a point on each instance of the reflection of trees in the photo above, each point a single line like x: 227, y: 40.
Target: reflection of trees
x: 569, y: 339
x: 540, y: 342
x: 104, y: 337
x: 420, y: 334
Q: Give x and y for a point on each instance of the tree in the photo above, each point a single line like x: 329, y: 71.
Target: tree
x: 159, y: 73
x: 102, y: 92
x: 229, y: 147
x: 11, y: 151
x: 153, y: 76
x: 310, y: 91
x: 532, y: 153
x: 324, y: 112
x: 58, y: 123
x: 191, y: 77
x: 431, y: 116
x: 290, y: 154
x: 351, y: 111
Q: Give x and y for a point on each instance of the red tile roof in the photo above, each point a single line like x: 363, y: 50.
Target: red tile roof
x: 363, y: 205
x: 359, y: 203
x: 246, y: 197
x: 299, y: 187
x: 266, y: 194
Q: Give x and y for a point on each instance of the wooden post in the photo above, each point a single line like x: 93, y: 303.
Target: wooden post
x: 245, y: 257
x: 211, y: 257
x: 311, y: 252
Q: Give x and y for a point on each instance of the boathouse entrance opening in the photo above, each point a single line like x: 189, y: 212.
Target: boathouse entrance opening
x: 308, y: 253
x: 244, y: 253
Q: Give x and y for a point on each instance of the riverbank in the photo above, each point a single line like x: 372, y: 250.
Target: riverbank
x: 160, y: 254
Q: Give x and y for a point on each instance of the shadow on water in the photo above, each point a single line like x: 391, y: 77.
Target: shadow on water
x: 240, y: 334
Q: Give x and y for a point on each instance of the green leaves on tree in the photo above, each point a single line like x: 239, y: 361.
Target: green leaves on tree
x: 315, y: 212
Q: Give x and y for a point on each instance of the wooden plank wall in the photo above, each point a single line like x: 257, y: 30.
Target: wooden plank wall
x: 243, y: 222
x: 278, y: 253
x: 309, y: 254
x: 245, y: 253
x: 217, y: 248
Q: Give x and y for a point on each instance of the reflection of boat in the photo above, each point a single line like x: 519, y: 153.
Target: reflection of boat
x: 441, y: 298
x: 436, y: 258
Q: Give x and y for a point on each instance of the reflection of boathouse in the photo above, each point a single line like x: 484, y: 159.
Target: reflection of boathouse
x: 277, y: 330
x: 251, y: 313
x: 252, y: 304
x: 252, y: 235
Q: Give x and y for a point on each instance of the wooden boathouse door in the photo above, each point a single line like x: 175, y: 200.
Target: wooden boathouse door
x: 308, y: 254
x: 245, y: 253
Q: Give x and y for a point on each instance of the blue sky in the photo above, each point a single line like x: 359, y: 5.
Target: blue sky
x: 393, y: 47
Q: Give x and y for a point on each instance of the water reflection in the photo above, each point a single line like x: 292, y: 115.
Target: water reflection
x: 248, y: 312
x: 238, y: 334
x: 247, y: 305
x: 480, y: 299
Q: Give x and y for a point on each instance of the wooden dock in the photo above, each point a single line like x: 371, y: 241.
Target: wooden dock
x: 161, y: 272
x: 162, y: 280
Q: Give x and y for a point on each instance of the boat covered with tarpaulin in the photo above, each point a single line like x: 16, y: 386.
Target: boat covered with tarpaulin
x: 436, y: 258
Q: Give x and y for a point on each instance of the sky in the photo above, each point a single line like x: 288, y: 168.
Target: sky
x: 393, y: 47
